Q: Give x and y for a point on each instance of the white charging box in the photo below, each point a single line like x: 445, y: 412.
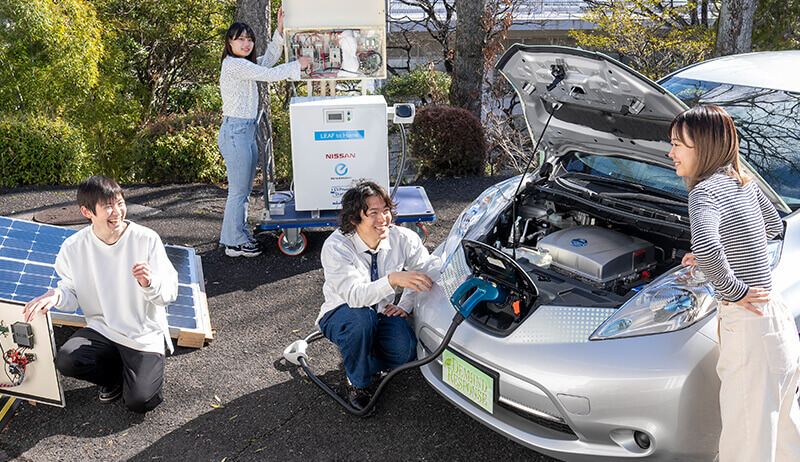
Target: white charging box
x: 336, y: 142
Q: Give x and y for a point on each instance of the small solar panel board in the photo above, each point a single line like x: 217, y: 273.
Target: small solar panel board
x: 27, y: 269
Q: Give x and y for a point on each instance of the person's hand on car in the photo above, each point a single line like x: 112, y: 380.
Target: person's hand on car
x: 411, y: 280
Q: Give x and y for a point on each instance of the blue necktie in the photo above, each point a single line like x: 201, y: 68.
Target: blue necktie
x: 374, y: 267
x: 374, y: 273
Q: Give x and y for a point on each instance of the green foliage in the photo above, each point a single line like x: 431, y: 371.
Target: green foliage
x: 651, y: 36
x: 421, y: 84
x: 40, y: 151
x: 281, y: 139
x: 178, y: 149
x: 448, y: 142
x: 777, y: 25
x: 49, y: 53
x: 170, y: 46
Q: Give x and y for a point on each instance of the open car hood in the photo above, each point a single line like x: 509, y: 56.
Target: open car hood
x: 600, y: 104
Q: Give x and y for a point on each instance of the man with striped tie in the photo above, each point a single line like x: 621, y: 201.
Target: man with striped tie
x: 366, y: 260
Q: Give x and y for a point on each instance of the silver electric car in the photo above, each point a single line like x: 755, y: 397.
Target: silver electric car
x: 605, y: 347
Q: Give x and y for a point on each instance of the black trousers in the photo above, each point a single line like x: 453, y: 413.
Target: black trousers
x: 89, y: 356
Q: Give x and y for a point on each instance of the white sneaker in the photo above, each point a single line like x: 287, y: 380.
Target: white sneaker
x: 244, y: 250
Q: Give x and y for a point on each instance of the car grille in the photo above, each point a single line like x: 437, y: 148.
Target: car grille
x: 540, y: 419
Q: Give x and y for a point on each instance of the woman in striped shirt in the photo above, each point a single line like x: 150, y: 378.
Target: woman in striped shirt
x: 731, y: 221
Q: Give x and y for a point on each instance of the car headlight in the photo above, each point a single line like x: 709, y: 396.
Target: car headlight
x: 478, y: 217
x: 672, y: 302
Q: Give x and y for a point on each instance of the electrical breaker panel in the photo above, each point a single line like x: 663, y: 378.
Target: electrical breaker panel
x: 345, y: 39
x: 28, y: 351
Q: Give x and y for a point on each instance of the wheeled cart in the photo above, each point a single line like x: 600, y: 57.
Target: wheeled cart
x: 413, y: 210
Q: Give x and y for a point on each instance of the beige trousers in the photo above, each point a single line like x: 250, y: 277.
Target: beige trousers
x: 759, y: 367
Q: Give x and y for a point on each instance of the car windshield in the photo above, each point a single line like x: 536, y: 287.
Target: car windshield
x: 626, y: 170
x: 769, y: 127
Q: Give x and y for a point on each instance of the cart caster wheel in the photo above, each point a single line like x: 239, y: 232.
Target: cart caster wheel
x: 292, y: 250
x: 421, y: 231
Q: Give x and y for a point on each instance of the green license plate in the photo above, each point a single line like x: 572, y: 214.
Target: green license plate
x: 468, y: 380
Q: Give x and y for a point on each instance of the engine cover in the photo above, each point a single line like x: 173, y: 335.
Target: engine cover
x: 597, y: 254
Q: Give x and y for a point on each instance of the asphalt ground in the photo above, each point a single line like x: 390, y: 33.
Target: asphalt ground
x: 237, y: 399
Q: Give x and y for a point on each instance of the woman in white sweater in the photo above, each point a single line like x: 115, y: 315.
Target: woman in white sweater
x: 237, y: 143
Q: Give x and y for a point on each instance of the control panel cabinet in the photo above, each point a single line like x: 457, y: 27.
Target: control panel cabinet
x: 345, y: 39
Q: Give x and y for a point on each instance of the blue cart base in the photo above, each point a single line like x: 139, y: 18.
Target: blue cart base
x: 413, y: 209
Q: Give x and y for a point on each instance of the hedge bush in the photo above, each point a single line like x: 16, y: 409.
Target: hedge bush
x: 448, y: 142
x: 39, y: 150
x: 179, y: 149
x: 422, y: 84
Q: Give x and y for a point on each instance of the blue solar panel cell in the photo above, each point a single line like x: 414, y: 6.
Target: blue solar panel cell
x: 45, y: 248
x: 181, y: 322
x: 8, y: 252
x: 42, y: 257
x: 41, y: 270
x: 24, y: 225
x: 19, y: 234
x: 15, y: 243
x: 10, y: 265
x: 185, y: 311
x: 28, y: 252
x: 55, y: 240
x: 78, y: 312
x: 30, y: 291
x: 7, y: 287
x: 34, y: 280
x: 9, y: 276
x: 183, y: 300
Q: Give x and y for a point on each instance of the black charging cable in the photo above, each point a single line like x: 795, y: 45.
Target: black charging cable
x: 457, y: 320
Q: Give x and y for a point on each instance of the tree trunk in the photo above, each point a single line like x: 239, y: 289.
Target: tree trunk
x: 255, y: 13
x: 735, y: 26
x: 465, y: 89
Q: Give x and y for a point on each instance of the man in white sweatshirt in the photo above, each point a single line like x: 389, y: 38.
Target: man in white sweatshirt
x: 119, y: 274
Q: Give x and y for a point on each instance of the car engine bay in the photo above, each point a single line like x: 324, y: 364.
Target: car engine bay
x: 579, y: 252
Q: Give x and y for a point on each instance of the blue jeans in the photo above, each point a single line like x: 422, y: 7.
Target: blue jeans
x: 237, y: 144
x: 369, y: 342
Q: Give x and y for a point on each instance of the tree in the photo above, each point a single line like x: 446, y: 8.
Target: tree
x: 466, y: 87
x: 777, y: 25
x: 436, y: 19
x: 255, y: 13
x: 50, y: 54
x: 655, y: 38
x: 170, y: 45
x: 735, y: 26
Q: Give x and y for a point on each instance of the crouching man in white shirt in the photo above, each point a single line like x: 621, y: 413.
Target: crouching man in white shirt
x: 119, y: 274
x: 365, y: 261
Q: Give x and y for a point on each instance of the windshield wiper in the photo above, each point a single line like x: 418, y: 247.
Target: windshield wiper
x: 628, y: 184
x: 644, y: 197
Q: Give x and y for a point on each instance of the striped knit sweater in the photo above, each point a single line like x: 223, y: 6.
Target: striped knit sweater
x: 238, y: 77
x: 730, y: 229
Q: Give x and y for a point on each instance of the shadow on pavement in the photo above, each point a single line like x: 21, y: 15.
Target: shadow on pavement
x: 283, y: 422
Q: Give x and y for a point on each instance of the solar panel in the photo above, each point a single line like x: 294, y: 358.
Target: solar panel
x: 27, y: 257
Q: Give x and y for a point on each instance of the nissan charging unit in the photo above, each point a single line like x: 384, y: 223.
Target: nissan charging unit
x: 337, y: 140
